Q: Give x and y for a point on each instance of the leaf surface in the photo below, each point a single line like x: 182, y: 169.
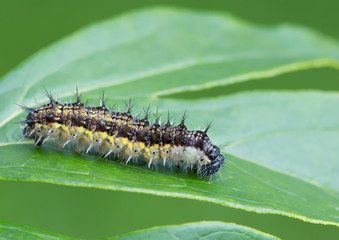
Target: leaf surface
x: 18, y: 232
x: 280, y: 146
x: 198, y: 230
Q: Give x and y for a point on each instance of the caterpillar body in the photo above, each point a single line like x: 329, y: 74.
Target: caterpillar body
x: 119, y: 134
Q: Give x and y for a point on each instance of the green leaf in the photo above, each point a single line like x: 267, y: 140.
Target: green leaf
x: 199, y: 230
x: 281, y: 153
x: 18, y: 232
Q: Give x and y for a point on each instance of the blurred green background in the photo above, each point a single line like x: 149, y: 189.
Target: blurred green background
x: 27, y: 26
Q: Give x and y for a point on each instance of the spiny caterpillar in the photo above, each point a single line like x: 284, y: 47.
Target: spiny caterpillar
x: 118, y: 134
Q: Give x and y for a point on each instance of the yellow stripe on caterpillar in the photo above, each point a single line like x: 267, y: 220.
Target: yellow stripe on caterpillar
x: 133, y: 150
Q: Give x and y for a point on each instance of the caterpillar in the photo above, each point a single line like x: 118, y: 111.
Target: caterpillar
x: 121, y: 135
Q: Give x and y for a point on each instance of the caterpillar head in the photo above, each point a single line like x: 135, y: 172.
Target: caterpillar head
x: 216, y: 160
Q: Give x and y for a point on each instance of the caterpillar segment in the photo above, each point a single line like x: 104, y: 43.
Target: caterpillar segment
x: 119, y: 135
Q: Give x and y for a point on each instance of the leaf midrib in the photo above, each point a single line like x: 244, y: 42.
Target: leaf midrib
x: 192, y: 196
